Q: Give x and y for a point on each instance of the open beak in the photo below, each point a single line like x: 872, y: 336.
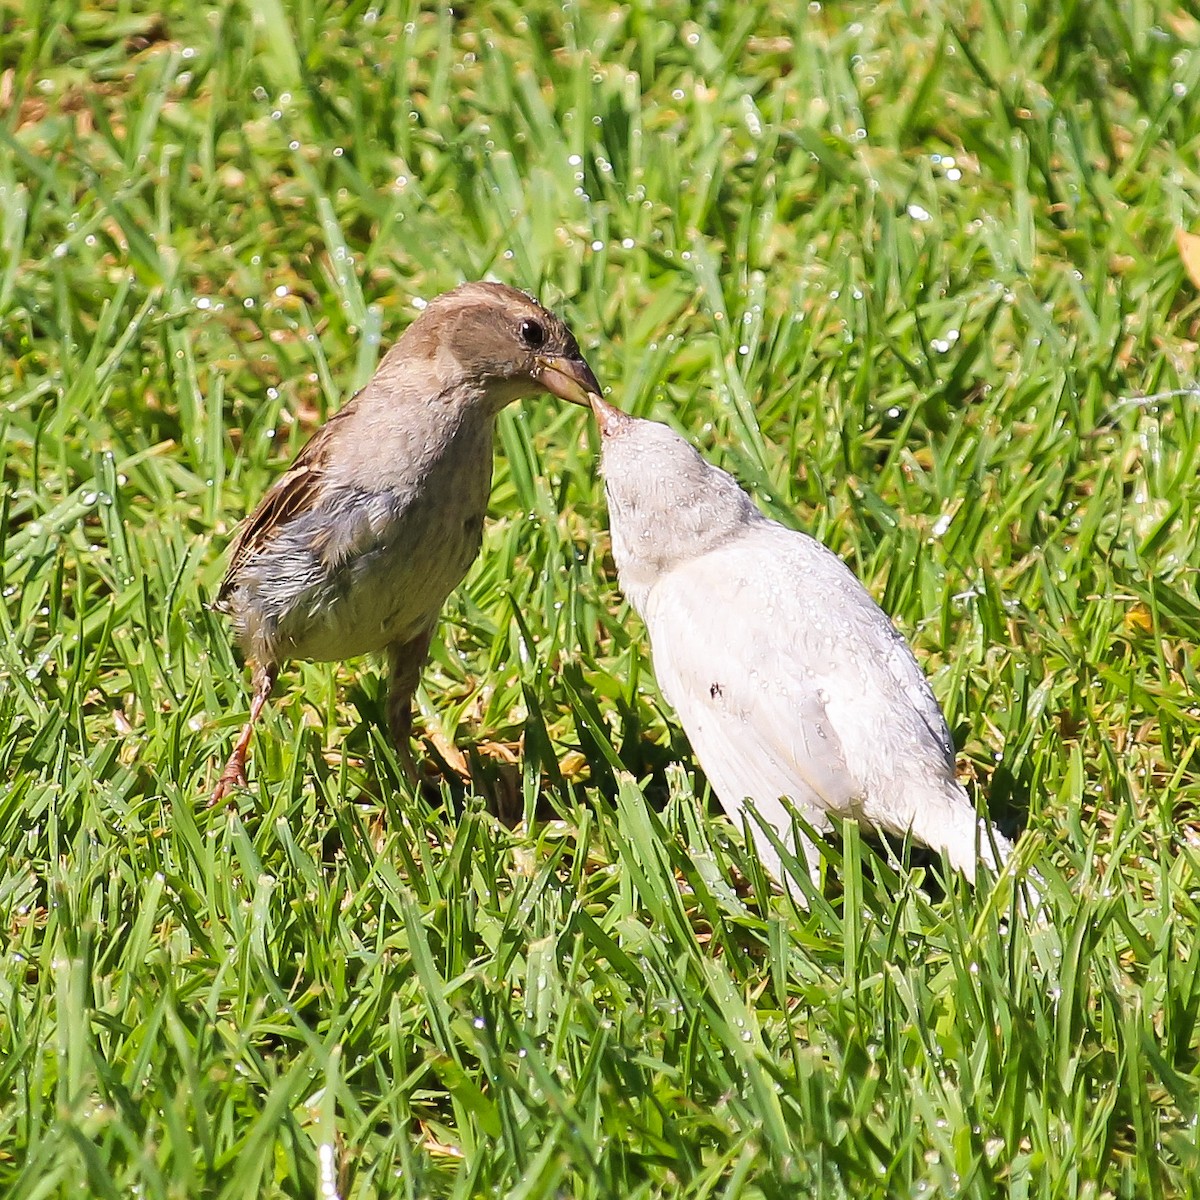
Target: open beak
x: 611, y: 420
x: 567, y: 378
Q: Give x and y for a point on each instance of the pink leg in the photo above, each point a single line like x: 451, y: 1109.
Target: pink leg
x: 234, y: 774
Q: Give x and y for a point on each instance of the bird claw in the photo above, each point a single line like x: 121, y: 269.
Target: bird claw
x: 234, y: 776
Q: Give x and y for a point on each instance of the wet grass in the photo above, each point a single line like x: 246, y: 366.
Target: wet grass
x: 908, y: 270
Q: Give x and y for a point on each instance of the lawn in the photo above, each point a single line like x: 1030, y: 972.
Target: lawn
x: 908, y: 270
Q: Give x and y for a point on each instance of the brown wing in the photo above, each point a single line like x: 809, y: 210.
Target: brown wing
x: 293, y: 493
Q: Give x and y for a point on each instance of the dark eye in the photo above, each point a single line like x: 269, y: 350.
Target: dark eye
x: 532, y: 334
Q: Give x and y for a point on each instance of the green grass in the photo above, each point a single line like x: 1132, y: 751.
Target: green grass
x: 212, y: 223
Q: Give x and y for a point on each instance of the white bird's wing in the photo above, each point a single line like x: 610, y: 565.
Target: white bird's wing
x: 790, y: 681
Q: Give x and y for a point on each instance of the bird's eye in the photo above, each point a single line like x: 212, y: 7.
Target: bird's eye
x: 532, y: 334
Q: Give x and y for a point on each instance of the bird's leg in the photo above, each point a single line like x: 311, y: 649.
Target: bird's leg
x: 806, y: 853
x: 406, y: 660
x: 234, y: 774
x: 812, y: 859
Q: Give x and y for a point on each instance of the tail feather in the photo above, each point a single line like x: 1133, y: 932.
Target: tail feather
x: 966, y: 840
x: 951, y: 826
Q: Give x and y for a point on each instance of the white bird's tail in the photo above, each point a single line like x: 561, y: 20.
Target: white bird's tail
x: 966, y: 840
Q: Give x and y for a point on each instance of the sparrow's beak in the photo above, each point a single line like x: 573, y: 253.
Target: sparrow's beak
x: 567, y: 378
x: 611, y: 420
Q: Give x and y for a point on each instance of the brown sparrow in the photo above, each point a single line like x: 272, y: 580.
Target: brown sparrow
x: 357, y: 546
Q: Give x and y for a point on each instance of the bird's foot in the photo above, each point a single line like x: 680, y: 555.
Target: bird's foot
x: 234, y: 776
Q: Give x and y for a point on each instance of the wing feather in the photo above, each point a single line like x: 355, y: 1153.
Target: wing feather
x: 790, y: 681
x: 294, y: 493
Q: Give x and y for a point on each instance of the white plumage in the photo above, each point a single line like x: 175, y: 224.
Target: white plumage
x: 788, y: 678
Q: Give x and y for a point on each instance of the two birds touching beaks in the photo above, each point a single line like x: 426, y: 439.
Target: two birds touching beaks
x: 790, y: 682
